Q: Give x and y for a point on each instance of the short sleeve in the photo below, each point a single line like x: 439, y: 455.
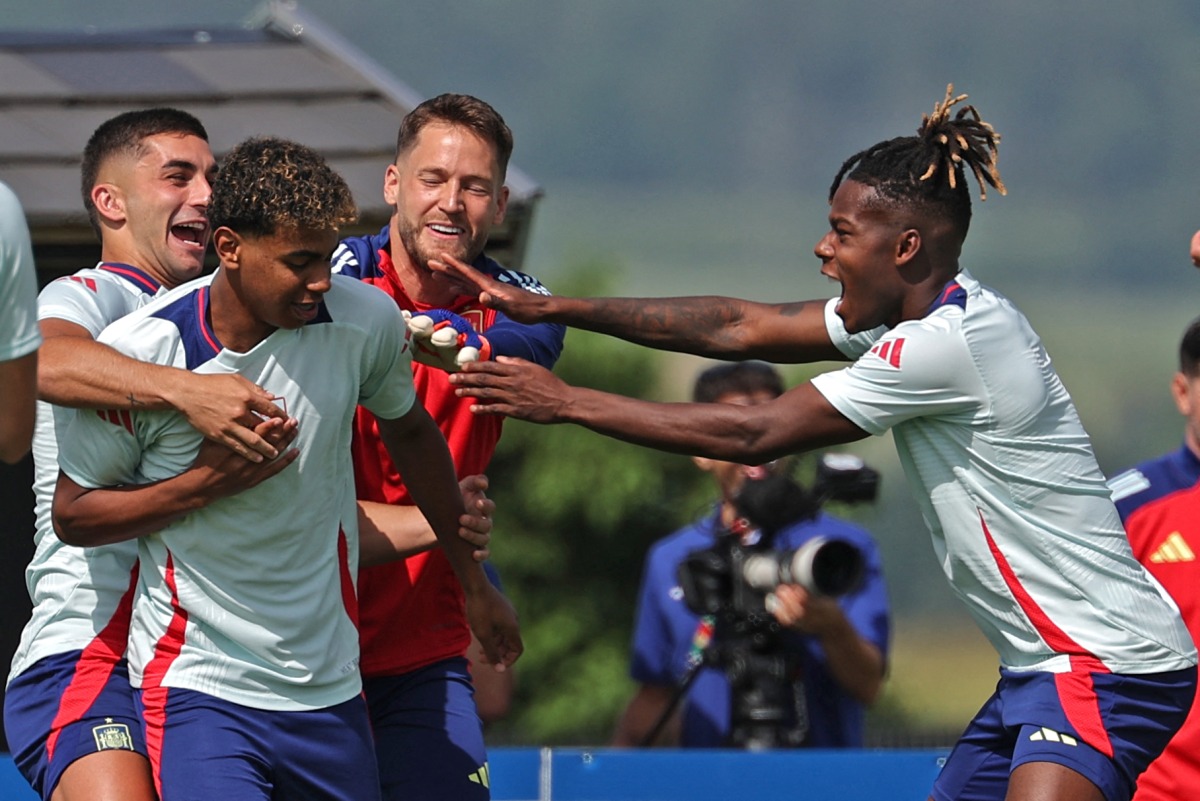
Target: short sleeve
x: 918, y: 369
x: 387, y: 388
x: 851, y: 345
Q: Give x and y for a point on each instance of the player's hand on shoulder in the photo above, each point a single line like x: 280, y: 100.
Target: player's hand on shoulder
x: 445, y: 340
x: 519, y: 304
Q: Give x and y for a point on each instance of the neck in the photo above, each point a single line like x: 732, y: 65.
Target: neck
x: 236, y: 327
x: 118, y: 255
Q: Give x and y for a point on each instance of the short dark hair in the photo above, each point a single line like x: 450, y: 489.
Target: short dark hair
x: 926, y: 172
x: 743, y: 378
x: 464, y: 110
x: 124, y: 134
x: 1189, y: 350
x: 266, y: 183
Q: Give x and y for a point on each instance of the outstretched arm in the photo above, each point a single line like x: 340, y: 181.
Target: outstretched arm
x: 79, y: 372
x: 715, y: 327
x: 799, y: 420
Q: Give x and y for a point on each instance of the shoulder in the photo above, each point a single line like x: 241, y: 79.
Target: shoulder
x: 353, y: 296
x: 675, y: 546
x: 494, y: 269
x: 358, y: 256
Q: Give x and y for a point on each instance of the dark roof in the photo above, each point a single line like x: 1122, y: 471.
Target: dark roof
x: 282, y: 73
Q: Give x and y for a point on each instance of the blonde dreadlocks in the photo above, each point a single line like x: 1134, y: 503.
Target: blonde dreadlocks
x: 927, y: 170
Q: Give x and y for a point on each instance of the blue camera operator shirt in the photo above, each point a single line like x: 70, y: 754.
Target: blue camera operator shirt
x: 668, y: 636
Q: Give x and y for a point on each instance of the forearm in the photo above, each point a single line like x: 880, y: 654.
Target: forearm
x: 387, y: 532
x: 423, y: 460
x: 710, y: 326
x: 853, y: 662
x: 18, y: 377
x: 90, y: 517
x: 645, y: 711
x: 79, y: 372
x: 747, y: 434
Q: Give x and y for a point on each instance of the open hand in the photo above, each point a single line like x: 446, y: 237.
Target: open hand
x: 513, y: 387
x: 517, y: 303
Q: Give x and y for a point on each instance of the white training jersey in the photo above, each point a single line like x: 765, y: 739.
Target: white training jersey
x: 75, y: 591
x: 1022, y: 520
x: 252, y: 598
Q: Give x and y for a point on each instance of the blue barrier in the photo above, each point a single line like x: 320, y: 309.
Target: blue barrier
x: 578, y: 774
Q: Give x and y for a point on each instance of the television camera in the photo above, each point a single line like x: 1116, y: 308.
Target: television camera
x: 732, y: 581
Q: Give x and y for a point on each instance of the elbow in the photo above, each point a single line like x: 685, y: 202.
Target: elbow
x: 70, y: 527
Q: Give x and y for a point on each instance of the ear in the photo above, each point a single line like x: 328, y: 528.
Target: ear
x: 109, y: 202
x: 1181, y: 393
x: 228, y: 247
x: 501, y: 206
x: 391, y: 184
x: 908, y: 245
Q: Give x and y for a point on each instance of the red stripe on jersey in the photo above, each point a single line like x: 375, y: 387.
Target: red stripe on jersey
x: 349, y: 595
x: 95, y: 666
x: 90, y: 283
x: 889, y: 351
x: 1075, y: 689
x: 154, y: 695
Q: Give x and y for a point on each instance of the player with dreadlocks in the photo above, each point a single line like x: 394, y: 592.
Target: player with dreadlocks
x: 1096, y: 668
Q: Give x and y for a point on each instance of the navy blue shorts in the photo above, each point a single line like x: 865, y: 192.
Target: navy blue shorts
x: 65, y: 707
x: 1105, y: 726
x: 428, y: 735
x: 203, y: 748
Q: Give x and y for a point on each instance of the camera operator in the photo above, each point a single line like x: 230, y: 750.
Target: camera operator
x: 840, y: 645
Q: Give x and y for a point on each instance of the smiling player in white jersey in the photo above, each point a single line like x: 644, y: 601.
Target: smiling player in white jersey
x: 1097, y: 670
x: 245, y: 608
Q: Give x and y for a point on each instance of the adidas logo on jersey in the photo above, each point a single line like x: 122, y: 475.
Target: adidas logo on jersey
x: 1173, y: 549
x: 481, y: 776
x: 889, y: 351
x: 1051, y: 736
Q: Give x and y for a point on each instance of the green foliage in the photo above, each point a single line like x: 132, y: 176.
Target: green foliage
x: 576, y: 512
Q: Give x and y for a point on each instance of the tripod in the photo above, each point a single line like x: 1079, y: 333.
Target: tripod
x: 766, y: 707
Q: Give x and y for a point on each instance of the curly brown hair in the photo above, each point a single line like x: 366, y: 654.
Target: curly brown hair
x: 267, y: 183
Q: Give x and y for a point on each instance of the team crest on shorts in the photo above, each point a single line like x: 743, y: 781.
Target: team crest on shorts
x: 112, y: 736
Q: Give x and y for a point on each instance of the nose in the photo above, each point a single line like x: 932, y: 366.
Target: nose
x: 201, y: 191
x: 319, y: 281
x: 451, y: 199
x: 824, y: 247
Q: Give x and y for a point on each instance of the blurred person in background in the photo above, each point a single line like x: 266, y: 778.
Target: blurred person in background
x: 1159, y: 502
x: 840, y: 645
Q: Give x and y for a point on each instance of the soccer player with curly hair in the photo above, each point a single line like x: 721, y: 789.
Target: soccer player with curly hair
x: 243, y: 643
